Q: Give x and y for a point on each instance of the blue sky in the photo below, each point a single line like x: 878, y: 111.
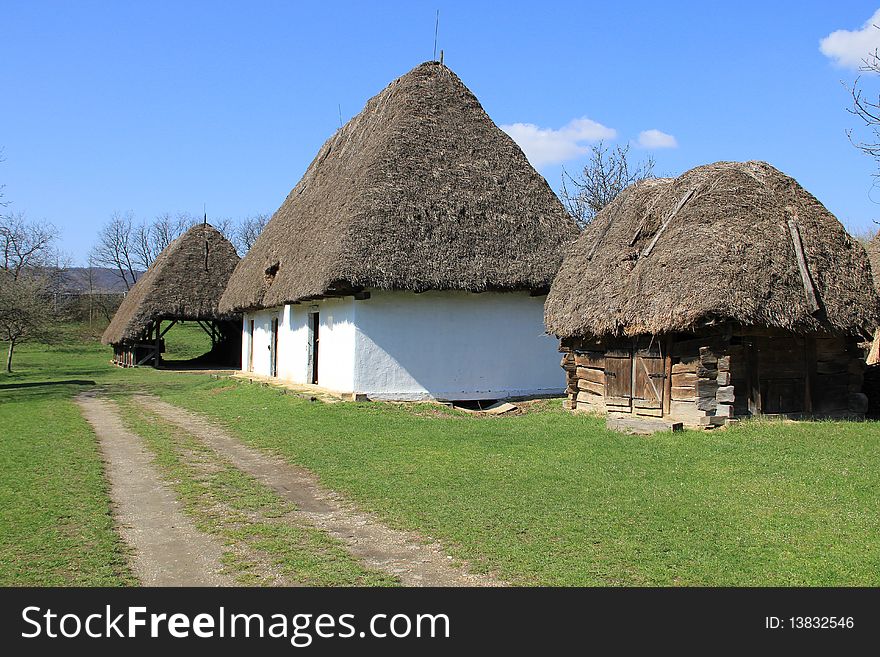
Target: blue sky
x: 155, y: 107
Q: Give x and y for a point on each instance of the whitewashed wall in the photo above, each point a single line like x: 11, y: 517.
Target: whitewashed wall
x: 454, y: 345
x: 400, y: 345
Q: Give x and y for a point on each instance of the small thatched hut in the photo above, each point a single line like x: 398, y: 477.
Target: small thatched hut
x: 419, y: 245
x: 727, y: 292
x: 184, y: 283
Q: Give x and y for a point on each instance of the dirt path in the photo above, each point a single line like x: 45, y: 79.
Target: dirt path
x: 378, y: 546
x: 167, y: 548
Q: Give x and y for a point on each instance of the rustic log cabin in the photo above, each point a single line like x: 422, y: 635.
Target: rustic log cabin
x: 725, y: 293
x: 412, y: 259
x: 184, y: 283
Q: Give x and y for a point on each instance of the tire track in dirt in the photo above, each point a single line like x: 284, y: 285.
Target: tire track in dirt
x: 167, y: 549
x: 400, y: 553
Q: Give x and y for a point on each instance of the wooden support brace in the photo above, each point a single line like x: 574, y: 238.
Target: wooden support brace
x: 679, y: 206
x: 167, y: 328
x: 809, y: 290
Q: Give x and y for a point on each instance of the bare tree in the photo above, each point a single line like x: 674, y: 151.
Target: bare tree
x: 149, y: 239
x: 116, y: 248
x: 247, y: 232
x: 607, y: 174
x: 867, y: 110
x: 26, y: 245
x: 29, y: 280
x: 24, y: 315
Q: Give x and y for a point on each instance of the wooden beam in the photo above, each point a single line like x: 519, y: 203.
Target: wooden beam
x: 167, y: 328
x: 667, y: 370
x: 809, y: 291
x: 679, y: 206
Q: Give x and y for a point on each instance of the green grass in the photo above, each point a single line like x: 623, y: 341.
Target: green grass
x: 265, y: 542
x: 551, y: 498
x: 547, y: 497
x: 55, y: 525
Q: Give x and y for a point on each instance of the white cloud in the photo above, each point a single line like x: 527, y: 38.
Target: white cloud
x: 547, y: 146
x: 655, y: 139
x: 848, y: 48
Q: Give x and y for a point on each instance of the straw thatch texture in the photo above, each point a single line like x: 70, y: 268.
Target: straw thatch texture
x: 420, y: 191
x: 873, y: 249
x: 727, y: 255
x: 180, y: 284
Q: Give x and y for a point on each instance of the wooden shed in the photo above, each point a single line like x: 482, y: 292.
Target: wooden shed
x: 727, y: 292
x: 184, y: 283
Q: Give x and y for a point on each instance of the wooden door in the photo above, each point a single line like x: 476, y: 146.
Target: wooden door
x: 274, y: 353
x: 250, y: 357
x: 618, y: 377
x: 649, y: 377
x: 313, y: 346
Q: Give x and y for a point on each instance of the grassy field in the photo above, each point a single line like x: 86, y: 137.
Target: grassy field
x: 542, y: 498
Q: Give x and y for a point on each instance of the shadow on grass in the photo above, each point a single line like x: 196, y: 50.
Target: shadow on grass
x: 36, y: 384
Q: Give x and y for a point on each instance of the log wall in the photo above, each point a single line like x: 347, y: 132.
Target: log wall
x: 713, y: 379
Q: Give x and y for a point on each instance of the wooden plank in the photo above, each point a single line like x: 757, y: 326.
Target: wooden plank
x: 618, y: 401
x: 685, y: 379
x: 682, y: 394
x: 829, y: 348
x: 725, y: 395
x: 592, y: 375
x: 684, y: 199
x: 809, y: 291
x: 686, y: 411
x: 589, y: 386
x: 686, y: 365
x: 590, y: 359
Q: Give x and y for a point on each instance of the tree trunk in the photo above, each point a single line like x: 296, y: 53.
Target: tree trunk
x: 9, y: 357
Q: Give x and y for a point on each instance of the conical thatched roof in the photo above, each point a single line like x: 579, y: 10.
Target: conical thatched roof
x: 727, y: 255
x: 420, y: 191
x: 185, y: 282
x: 873, y: 249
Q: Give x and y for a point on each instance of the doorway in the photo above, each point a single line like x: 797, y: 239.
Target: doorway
x: 250, y: 356
x: 314, y: 341
x: 273, y: 354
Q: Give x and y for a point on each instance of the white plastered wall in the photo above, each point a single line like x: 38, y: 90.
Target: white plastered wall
x: 401, y: 345
x: 454, y: 345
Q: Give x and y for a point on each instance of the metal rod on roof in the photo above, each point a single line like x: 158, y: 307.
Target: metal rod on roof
x: 436, y: 29
x: 339, y: 107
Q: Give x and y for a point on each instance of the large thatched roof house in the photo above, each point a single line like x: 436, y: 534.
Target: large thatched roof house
x: 417, y: 250
x: 729, y: 291
x: 184, y: 283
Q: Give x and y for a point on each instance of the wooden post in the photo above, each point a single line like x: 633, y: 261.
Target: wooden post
x: 667, y: 382
x: 158, y: 341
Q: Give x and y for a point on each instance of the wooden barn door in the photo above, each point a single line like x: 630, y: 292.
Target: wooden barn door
x: 618, y: 376
x: 649, y: 377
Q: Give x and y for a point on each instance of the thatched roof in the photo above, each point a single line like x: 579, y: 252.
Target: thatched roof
x: 727, y: 255
x: 183, y: 283
x: 420, y: 191
x: 873, y: 249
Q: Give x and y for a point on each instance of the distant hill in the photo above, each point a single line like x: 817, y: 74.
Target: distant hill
x: 104, y: 279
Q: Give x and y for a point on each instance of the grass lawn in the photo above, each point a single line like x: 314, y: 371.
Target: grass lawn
x: 542, y: 498
x: 265, y: 544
